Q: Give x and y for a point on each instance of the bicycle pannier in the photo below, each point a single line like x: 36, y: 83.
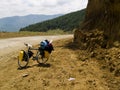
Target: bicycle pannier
x: 46, y: 54
x: 21, y: 55
x: 30, y: 53
x: 43, y: 44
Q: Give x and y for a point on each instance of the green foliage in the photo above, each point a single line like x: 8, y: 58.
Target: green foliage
x: 56, y: 31
x: 66, y: 23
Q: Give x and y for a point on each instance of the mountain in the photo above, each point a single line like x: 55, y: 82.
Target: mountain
x: 11, y: 24
x: 66, y: 22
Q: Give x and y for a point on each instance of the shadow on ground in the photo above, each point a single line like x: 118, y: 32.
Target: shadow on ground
x: 47, y: 65
x: 71, y: 45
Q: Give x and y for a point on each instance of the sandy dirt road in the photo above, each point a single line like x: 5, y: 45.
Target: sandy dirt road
x: 13, y: 44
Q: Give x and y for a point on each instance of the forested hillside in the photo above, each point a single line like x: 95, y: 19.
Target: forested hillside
x: 66, y: 23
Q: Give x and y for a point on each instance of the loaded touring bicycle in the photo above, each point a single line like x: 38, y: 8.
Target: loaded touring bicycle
x: 42, y: 55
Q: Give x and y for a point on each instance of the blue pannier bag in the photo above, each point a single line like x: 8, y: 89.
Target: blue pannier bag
x: 43, y: 44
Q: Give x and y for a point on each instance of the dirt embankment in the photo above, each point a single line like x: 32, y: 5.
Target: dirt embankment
x: 67, y: 69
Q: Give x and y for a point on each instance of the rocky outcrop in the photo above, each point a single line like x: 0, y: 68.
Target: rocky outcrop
x: 101, y: 30
x: 90, y: 40
x: 103, y: 15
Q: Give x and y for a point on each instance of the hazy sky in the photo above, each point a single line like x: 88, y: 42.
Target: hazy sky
x: 49, y: 7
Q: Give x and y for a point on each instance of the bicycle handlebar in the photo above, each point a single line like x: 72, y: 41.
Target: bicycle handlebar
x: 30, y: 46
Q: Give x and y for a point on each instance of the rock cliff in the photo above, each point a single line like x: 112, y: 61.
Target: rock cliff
x: 103, y: 15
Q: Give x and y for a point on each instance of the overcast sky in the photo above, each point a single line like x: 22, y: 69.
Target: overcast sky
x: 49, y: 7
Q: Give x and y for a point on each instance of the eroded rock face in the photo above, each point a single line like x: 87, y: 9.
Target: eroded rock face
x: 90, y: 40
x: 103, y: 15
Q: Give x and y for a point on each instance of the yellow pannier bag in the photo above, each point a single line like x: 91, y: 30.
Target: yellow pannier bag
x: 21, y: 54
x: 46, y: 54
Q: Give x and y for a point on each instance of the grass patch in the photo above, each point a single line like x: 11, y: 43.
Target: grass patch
x: 27, y: 33
x: 56, y: 31
x: 18, y: 34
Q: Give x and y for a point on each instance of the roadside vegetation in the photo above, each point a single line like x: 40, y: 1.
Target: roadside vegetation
x: 28, y: 33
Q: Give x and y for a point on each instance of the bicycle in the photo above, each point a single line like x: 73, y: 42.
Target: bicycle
x: 41, y: 56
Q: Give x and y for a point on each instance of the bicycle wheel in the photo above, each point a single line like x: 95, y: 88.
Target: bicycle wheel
x: 41, y: 59
x: 23, y: 62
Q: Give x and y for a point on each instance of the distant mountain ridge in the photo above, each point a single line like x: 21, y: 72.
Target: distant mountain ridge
x: 66, y: 22
x: 12, y: 24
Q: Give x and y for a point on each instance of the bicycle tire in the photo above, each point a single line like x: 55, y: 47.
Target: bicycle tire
x: 41, y: 59
x: 24, y: 62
